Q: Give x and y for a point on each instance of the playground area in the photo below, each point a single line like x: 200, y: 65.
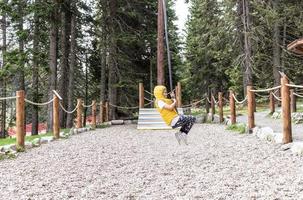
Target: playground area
x: 121, y: 162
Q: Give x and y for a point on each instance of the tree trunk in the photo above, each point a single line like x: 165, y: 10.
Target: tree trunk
x: 160, y: 45
x: 53, y: 55
x: 103, y: 53
x: 247, y: 46
x: 276, y: 47
x: 35, y: 76
x: 2, y: 81
x: 112, y: 63
x: 64, y: 68
x: 72, y: 66
x: 20, y: 72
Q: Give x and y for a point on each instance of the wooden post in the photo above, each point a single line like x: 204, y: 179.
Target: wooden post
x: 141, y: 95
x: 293, y: 101
x: 106, y: 111
x: 102, y: 112
x: 56, y: 123
x: 79, y: 114
x: 271, y: 103
x: 250, y: 108
x: 220, y: 96
x: 94, y: 109
x: 286, y: 115
x: 212, y: 107
x: 20, y: 116
x: 179, y: 97
x: 232, y: 106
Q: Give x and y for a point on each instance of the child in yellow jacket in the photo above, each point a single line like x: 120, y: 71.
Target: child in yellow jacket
x: 167, y: 110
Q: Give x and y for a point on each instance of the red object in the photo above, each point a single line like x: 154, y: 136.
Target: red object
x: 42, y: 127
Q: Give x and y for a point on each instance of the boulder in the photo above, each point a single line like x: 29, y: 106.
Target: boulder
x: 297, y: 148
x: 36, y: 142
x: 28, y: 145
x: 45, y: 140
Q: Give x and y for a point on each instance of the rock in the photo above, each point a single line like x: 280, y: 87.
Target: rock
x: 9, y: 148
x: 71, y: 131
x: 75, y: 131
x: 227, y: 122
x: 36, y: 142
x: 285, y: 147
x: 266, y: 133
x: 1, y: 148
x: 117, y: 122
x: 63, y: 135
x: 127, y: 122
x: 297, y: 148
x: 256, y: 130
x: 278, y: 138
x: 28, y: 145
x: 216, y: 119
x: 276, y: 115
x: 45, y: 140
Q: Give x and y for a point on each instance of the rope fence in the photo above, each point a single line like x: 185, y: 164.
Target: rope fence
x: 39, y: 104
x: 239, y: 102
x: 8, y: 98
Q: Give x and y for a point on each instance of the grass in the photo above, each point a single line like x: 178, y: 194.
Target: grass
x: 240, y: 128
x: 102, y: 125
x: 7, y: 141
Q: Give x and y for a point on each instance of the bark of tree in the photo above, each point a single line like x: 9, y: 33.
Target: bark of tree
x: 247, y: 45
x: 2, y: 81
x: 160, y: 45
x: 35, y: 75
x: 53, y: 55
x: 20, y: 73
x: 276, y: 47
x: 103, y: 53
x: 112, y: 62
x: 64, y: 68
x: 72, y: 66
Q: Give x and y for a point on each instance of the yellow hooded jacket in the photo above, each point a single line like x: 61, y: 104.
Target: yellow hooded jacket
x: 167, y: 115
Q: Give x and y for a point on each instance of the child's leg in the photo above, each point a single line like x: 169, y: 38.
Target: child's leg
x: 186, y: 122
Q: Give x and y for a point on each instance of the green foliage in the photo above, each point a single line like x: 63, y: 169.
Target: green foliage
x: 240, y: 128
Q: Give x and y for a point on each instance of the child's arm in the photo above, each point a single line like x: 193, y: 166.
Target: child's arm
x: 171, y: 106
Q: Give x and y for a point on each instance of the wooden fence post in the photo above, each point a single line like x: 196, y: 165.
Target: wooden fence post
x: 220, y: 96
x: 56, y: 123
x: 106, y: 111
x: 232, y: 106
x: 179, y: 96
x: 94, y: 109
x: 141, y: 95
x: 286, y: 115
x: 250, y: 108
x: 79, y: 113
x: 102, y: 112
x: 20, y: 116
x: 206, y: 105
x: 293, y: 101
x: 271, y: 103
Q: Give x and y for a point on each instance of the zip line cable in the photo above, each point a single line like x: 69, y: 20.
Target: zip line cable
x: 167, y: 46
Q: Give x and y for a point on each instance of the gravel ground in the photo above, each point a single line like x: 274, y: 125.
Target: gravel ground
x: 124, y: 163
x: 261, y: 119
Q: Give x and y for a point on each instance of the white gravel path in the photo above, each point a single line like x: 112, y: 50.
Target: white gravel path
x: 124, y: 163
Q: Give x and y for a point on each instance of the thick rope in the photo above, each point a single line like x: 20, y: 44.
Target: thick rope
x: 279, y: 99
x: 148, y: 99
x: 87, y: 106
x: 262, y: 96
x: 69, y: 112
x: 39, y: 104
x: 7, y: 98
x: 148, y: 92
x: 239, y: 102
x: 298, y: 95
x: 294, y: 86
x: 194, y: 103
x: 208, y: 100
x: 216, y: 102
x: 129, y: 108
x: 266, y: 90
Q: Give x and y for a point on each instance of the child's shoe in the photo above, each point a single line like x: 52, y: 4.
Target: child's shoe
x: 183, y: 136
x: 178, y: 137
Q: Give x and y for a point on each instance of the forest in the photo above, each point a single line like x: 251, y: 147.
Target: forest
x: 101, y: 50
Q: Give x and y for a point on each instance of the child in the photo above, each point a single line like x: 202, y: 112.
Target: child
x: 166, y: 108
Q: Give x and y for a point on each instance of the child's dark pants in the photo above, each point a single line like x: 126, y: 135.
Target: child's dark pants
x: 185, y: 122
